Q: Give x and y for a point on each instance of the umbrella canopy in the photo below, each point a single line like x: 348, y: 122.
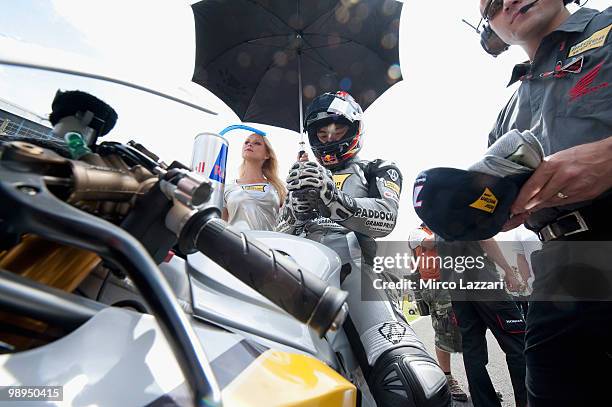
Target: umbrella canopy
x: 266, y: 59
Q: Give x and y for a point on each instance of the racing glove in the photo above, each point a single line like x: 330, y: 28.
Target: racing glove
x: 288, y: 221
x: 303, y: 204
x: 313, y: 187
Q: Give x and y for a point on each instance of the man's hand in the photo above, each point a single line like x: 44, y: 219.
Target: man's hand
x: 515, y: 221
x: 512, y: 282
x: 492, y: 250
x: 580, y: 173
x: 515, y: 282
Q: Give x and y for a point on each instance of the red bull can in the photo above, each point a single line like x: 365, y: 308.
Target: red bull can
x: 210, y: 159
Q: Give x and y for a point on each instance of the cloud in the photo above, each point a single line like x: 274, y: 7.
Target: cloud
x: 18, y: 50
x: 139, y: 37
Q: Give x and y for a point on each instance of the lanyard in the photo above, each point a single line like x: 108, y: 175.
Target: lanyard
x: 574, y: 66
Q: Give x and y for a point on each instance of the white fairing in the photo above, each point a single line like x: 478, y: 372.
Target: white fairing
x: 117, y: 358
x: 222, y: 298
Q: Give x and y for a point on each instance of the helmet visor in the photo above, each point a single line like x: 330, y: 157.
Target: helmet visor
x: 319, y: 132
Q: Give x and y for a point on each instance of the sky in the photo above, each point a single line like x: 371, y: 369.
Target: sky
x: 438, y: 115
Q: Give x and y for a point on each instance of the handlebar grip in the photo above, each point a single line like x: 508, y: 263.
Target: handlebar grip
x: 277, y: 277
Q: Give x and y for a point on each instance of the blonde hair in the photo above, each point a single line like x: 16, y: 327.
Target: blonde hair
x: 269, y: 169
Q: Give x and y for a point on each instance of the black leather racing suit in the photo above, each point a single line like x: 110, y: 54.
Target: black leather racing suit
x: 400, y: 372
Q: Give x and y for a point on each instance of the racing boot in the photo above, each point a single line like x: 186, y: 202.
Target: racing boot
x: 401, y: 372
x: 408, y: 377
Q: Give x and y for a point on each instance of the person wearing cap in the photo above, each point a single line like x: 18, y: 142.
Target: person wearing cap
x: 447, y: 334
x: 345, y: 203
x: 567, y: 85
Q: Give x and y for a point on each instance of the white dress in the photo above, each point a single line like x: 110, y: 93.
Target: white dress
x: 251, y: 206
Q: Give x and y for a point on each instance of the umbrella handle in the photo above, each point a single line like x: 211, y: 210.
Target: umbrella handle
x: 302, y: 150
x: 243, y: 127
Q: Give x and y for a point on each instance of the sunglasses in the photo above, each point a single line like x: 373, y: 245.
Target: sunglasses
x: 492, y: 8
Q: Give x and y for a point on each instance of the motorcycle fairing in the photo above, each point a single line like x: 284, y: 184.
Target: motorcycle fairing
x: 222, y: 299
x: 121, y: 357
x: 118, y: 357
x: 296, y: 380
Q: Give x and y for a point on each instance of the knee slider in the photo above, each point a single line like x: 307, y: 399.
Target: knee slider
x: 407, y: 376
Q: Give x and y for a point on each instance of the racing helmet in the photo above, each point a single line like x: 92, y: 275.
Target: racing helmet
x: 341, y: 108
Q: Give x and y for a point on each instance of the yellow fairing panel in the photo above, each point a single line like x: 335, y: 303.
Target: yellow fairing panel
x: 284, y: 379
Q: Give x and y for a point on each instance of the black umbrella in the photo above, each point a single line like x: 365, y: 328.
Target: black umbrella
x: 267, y: 58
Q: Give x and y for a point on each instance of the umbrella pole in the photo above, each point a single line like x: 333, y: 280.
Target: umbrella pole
x: 302, y: 144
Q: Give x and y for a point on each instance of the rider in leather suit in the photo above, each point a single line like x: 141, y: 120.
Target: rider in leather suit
x: 344, y: 203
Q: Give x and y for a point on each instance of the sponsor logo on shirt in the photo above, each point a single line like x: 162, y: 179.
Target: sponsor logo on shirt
x: 393, y: 174
x: 340, y: 179
x: 392, y: 186
x: 375, y: 214
x: 391, y: 195
x: 583, y: 86
x: 596, y: 40
x: 487, y: 201
x: 258, y: 188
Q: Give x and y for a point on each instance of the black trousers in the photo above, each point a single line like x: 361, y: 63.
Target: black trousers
x: 505, y: 321
x: 569, y: 329
x: 522, y: 302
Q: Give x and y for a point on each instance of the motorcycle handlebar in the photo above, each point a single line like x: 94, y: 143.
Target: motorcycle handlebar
x: 277, y: 277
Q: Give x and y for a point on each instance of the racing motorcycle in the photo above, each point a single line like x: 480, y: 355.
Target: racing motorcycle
x: 120, y: 285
